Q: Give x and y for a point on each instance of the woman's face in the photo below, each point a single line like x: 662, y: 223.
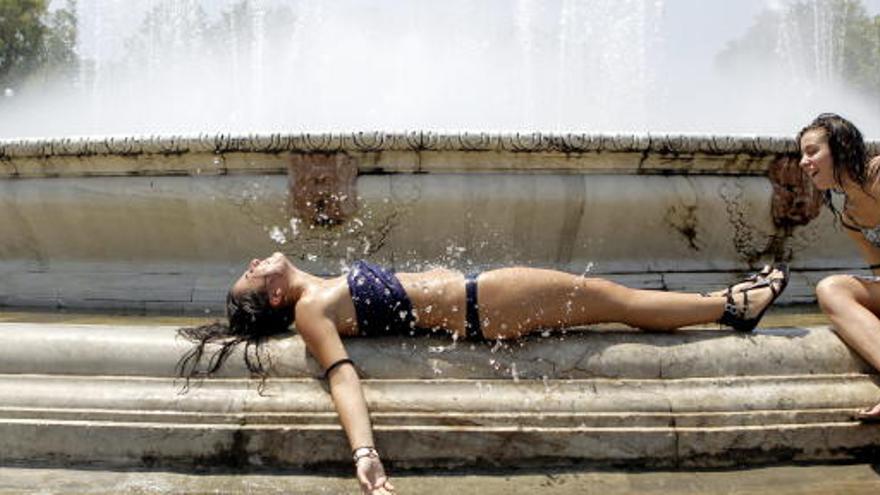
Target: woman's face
x: 816, y: 159
x: 260, y: 274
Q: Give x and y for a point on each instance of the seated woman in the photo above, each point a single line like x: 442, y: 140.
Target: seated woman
x: 834, y: 156
x: 498, y: 304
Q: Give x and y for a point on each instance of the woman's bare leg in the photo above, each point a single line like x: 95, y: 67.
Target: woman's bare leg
x: 853, y: 304
x: 516, y: 301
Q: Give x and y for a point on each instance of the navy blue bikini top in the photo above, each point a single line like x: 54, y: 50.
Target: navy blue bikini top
x: 380, y: 303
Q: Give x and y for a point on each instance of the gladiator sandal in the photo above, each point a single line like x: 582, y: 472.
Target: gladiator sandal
x: 754, y: 277
x: 734, y: 316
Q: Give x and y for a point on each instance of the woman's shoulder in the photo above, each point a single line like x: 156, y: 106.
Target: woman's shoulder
x: 323, y: 297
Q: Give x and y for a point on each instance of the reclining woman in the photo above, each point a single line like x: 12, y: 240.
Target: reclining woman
x: 498, y: 304
x: 834, y: 156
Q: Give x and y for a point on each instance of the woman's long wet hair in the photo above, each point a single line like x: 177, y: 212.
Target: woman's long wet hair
x: 848, y: 151
x: 251, y: 320
x: 849, y: 155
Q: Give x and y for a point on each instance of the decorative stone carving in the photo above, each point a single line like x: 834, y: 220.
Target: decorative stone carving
x: 406, y: 141
x: 795, y: 200
x: 322, y: 187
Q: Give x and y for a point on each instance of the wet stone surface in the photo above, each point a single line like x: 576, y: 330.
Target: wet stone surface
x: 781, y: 480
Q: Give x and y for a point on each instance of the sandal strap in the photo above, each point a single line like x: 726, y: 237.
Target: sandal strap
x: 736, y: 316
x: 733, y: 314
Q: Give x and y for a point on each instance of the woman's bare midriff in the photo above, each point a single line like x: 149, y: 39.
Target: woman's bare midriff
x: 437, y: 298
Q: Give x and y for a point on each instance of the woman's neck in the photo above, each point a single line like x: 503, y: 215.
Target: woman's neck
x: 300, y: 282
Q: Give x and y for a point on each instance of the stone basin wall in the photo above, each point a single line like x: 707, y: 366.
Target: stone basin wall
x: 166, y: 223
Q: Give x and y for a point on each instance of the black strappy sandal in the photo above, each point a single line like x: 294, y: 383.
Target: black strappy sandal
x: 735, y: 317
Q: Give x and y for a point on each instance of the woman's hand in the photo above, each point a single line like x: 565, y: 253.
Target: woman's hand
x: 372, y: 478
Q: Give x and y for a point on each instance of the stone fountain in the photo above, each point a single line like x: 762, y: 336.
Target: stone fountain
x: 164, y: 225
x: 124, y: 222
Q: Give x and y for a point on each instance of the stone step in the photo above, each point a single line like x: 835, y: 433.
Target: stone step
x: 107, y: 394
x: 418, y: 423
x: 491, y: 403
x: 849, y: 479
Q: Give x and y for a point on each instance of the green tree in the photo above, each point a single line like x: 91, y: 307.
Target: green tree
x: 830, y: 41
x: 34, y: 40
x: 21, y: 38
x: 59, y: 41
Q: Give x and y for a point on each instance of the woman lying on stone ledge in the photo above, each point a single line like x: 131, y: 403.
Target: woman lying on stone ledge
x: 834, y: 155
x: 498, y: 304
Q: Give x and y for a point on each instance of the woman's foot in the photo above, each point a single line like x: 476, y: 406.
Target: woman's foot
x: 869, y: 415
x: 747, y: 301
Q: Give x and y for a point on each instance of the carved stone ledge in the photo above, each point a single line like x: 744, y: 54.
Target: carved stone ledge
x: 408, y: 152
x: 322, y: 188
x: 408, y: 141
x: 106, y: 394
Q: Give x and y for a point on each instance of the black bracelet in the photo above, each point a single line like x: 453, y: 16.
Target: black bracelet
x: 336, y: 365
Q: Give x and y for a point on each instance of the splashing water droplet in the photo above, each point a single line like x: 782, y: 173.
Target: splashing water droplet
x: 277, y: 235
x: 587, y: 269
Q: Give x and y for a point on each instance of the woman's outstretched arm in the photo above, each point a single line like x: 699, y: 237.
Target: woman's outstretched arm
x: 322, y: 339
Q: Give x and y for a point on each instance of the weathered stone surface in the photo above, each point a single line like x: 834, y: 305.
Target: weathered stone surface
x: 164, y: 224
x: 153, y: 351
x: 850, y: 479
x: 162, y: 215
x: 173, y: 243
x: 107, y: 394
x: 579, y: 152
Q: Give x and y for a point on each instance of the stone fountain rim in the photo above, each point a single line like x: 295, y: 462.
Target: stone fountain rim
x: 412, y: 141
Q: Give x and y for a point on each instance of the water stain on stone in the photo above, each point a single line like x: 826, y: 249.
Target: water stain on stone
x: 683, y: 218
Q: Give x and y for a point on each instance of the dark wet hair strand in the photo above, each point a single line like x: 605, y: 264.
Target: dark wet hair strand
x: 251, y: 320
